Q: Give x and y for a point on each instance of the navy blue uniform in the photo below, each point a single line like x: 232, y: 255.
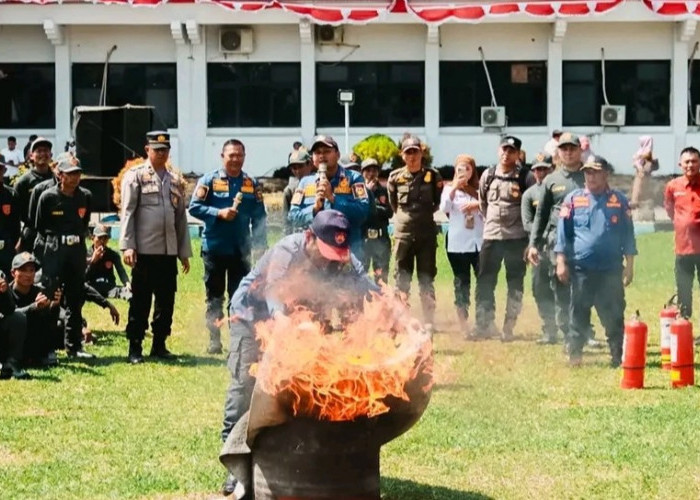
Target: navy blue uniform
x: 263, y: 292
x: 226, y: 245
x: 595, y: 232
x: 351, y: 199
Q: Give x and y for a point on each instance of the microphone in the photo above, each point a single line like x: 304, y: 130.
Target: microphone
x: 322, y: 172
x: 237, y: 200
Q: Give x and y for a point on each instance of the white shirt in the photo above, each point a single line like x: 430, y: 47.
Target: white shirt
x: 460, y: 239
x: 16, y: 156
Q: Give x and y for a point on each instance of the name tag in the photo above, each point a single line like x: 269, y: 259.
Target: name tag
x: 558, y: 189
x: 581, y: 201
x: 57, y: 212
x: 150, y: 188
x: 310, y: 190
x: 220, y: 185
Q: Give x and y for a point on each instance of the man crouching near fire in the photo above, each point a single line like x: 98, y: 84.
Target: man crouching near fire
x: 301, y: 270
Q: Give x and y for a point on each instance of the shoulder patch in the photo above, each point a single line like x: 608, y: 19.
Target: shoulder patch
x: 343, y: 186
x: 359, y: 191
x: 298, y: 197
x: 201, y: 192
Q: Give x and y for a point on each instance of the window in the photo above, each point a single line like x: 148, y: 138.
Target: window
x: 27, y: 96
x: 694, y: 91
x: 387, y: 94
x: 139, y: 84
x: 254, y: 94
x: 644, y: 87
x: 519, y: 86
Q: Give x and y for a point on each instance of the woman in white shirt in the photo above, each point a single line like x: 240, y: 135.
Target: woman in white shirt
x: 460, y: 202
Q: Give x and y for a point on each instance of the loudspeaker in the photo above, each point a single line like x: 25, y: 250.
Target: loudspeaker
x: 101, y: 190
x: 106, y: 137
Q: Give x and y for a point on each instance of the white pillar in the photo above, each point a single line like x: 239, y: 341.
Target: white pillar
x: 307, y: 55
x: 555, y: 75
x: 432, y: 84
x: 679, y: 85
x: 58, y: 37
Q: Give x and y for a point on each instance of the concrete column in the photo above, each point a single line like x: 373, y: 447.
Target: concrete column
x: 679, y: 84
x: 58, y: 36
x: 308, y: 81
x: 432, y: 84
x: 555, y: 76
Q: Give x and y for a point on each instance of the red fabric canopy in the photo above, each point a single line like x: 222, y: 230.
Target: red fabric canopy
x: 429, y: 11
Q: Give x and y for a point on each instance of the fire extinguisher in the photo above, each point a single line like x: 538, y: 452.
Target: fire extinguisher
x: 666, y: 317
x: 634, y: 353
x: 682, y: 353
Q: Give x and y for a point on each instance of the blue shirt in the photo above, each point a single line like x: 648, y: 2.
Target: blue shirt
x: 285, y: 277
x: 351, y: 198
x: 216, y: 190
x: 595, y: 231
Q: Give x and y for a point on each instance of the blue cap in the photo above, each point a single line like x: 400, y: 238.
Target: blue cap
x: 331, y: 229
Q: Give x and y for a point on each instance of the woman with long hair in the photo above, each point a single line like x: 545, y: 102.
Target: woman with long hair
x: 465, y: 233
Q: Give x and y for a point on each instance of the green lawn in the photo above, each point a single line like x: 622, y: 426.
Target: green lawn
x: 505, y: 420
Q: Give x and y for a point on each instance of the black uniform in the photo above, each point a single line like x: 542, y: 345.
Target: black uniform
x: 376, y: 235
x: 9, y: 227
x: 43, y: 335
x: 12, y: 335
x: 33, y: 205
x: 24, y: 187
x: 62, y: 222
x: 100, y: 275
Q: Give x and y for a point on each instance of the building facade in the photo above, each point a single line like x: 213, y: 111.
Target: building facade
x: 268, y: 72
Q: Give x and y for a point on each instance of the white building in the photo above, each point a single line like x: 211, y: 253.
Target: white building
x: 414, y: 65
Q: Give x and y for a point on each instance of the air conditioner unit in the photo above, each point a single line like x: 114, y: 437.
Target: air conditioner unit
x: 329, y: 35
x: 612, y: 116
x: 493, y: 116
x: 236, y: 40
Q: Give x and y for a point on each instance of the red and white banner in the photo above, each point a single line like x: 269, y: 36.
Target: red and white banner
x: 474, y: 10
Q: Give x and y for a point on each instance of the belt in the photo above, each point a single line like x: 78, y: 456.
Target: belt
x: 373, y: 234
x: 70, y: 239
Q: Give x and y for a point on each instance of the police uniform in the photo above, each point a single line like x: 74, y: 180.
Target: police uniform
x: 154, y: 224
x: 9, y: 227
x: 278, y: 283
x: 226, y: 245
x: 505, y: 239
x: 414, y: 198
x: 351, y: 199
x: 24, y: 187
x: 595, y: 232
x: 377, y: 247
x: 61, y: 223
x: 541, y: 273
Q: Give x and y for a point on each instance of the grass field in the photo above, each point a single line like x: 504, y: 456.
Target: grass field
x: 505, y: 420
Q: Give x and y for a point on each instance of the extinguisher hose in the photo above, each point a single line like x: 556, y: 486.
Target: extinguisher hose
x: 672, y: 301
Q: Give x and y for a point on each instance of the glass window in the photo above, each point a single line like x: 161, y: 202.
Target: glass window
x: 27, y: 96
x: 254, y: 94
x: 694, y: 91
x: 644, y: 87
x: 387, y: 94
x: 139, y: 84
x: 520, y: 86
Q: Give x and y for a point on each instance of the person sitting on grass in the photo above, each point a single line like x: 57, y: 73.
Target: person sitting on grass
x: 102, y: 262
x: 13, y: 330
x: 39, y: 312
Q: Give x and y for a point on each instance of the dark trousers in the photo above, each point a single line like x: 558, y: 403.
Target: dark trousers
x: 13, y: 331
x: 493, y: 252
x: 377, y: 254
x: 64, y: 266
x: 604, y: 291
x: 544, y: 297
x: 462, y: 265
x: 243, y: 352
x: 43, y: 335
x: 419, y: 253
x: 152, y: 276
x: 217, y: 269
x: 686, y: 268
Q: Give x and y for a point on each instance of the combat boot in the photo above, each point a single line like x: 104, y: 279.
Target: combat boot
x: 135, y: 352
x: 508, y: 327
x: 215, y: 346
x: 12, y: 369
x: 158, y: 349
x: 463, y: 318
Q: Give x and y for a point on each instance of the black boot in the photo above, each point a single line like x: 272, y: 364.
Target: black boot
x: 12, y: 369
x: 135, y: 352
x: 158, y: 349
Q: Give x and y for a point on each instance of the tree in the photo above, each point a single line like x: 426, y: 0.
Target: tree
x: 378, y: 146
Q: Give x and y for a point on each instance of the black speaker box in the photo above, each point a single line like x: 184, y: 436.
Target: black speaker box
x: 106, y: 137
x: 101, y: 190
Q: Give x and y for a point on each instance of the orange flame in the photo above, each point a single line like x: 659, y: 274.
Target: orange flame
x: 347, y: 374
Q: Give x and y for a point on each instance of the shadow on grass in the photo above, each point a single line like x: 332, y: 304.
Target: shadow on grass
x: 452, y: 387
x: 401, y: 489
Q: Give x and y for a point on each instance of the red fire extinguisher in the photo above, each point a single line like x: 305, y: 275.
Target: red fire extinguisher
x: 634, y: 354
x: 666, y: 317
x: 682, y: 353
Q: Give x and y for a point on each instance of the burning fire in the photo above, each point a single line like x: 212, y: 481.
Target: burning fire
x: 354, y: 371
